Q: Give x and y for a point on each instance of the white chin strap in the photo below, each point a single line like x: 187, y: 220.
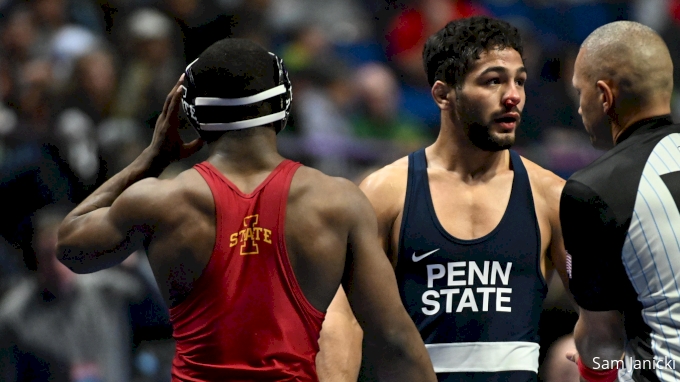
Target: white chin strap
x: 238, y: 125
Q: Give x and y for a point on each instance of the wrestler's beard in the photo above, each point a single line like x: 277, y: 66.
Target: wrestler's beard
x: 478, y: 129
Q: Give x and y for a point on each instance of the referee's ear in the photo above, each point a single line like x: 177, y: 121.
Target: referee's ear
x: 440, y: 93
x: 606, y: 96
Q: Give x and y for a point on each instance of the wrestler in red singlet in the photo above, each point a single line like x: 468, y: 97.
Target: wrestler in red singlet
x: 242, y: 307
x: 246, y: 318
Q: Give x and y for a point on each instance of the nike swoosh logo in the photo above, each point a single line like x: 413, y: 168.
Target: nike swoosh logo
x: 424, y: 255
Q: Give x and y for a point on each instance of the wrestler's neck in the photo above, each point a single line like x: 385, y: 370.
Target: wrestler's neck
x: 620, y: 122
x: 246, y: 151
x: 453, y: 151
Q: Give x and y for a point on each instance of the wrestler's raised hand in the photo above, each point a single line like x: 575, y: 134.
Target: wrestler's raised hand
x: 167, y: 143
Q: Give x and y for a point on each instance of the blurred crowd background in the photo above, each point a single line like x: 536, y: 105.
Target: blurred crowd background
x: 83, y: 81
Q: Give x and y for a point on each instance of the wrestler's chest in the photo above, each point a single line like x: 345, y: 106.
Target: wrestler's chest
x: 470, y: 211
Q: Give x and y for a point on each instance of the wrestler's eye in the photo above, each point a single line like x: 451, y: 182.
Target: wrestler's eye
x: 493, y: 81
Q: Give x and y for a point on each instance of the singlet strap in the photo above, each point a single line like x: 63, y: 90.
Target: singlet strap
x: 280, y: 187
x: 418, y: 160
x: 521, y: 201
x: 522, y: 198
x: 277, y: 191
x: 416, y: 180
x: 521, y: 173
x: 418, y: 175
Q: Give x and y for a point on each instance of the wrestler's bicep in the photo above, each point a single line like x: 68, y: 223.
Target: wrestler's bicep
x: 369, y: 280
x: 106, y: 236
x: 385, y: 201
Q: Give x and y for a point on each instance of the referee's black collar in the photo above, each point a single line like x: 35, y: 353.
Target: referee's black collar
x: 645, y: 125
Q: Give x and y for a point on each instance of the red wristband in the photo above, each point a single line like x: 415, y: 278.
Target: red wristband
x: 590, y: 375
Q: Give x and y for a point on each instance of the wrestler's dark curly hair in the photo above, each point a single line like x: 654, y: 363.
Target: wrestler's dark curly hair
x: 450, y: 53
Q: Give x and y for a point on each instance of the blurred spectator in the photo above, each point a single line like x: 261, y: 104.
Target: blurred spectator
x: 408, y: 31
x: 323, y: 108
x: 69, y: 28
x: 10, y: 266
x: 201, y: 23
x: 151, y: 69
x: 54, y: 14
x: 344, y: 21
x: 116, y: 12
x: 67, y: 45
x: 59, y: 326
x: 20, y: 45
x: 249, y: 19
x: 20, y: 35
x: 380, y: 116
x: 308, y: 44
x: 30, y: 169
x: 94, y: 85
x: 551, y: 100
x: 652, y: 13
x: 94, y: 138
x: 89, y: 101
x: 405, y: 35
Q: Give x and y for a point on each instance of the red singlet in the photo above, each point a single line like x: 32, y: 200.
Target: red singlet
x: 246, y: 318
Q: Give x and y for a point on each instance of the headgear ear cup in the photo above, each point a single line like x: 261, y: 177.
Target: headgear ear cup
x: 287, y: 97
x: 189, y: 97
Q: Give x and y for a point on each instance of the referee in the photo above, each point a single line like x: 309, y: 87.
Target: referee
x: 620, y: 215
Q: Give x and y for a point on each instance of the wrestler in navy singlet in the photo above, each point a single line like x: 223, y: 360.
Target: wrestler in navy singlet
x: 475, y: 302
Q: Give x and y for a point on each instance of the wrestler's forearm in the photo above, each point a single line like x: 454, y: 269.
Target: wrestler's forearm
x: 339, y: 357
x: 403, y: 359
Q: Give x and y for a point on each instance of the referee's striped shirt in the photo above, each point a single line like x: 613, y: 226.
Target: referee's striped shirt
x: 621, y: 223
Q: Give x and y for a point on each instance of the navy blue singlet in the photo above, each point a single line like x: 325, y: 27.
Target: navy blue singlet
x: 475, y: 302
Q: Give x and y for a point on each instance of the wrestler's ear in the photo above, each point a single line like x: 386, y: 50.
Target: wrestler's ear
x: 441, y: 94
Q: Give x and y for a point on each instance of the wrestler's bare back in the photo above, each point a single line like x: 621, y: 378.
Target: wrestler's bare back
x: 319, y: 218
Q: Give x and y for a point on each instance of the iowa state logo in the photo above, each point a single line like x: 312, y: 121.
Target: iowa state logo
x: 250, y: 235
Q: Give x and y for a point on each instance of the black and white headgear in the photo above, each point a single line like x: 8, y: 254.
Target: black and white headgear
x: 193, y: 104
